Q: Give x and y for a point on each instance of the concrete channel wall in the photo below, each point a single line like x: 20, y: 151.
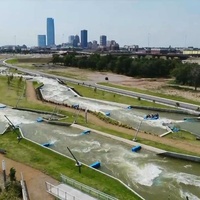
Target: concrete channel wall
x: 181, y: 156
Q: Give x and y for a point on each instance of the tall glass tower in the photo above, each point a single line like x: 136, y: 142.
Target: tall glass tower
x: 41, y: 40
x: 50, y: 32
x: 84, y: 38
x: 103, y: 40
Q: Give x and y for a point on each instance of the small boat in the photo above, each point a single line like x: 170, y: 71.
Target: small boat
x: 152, y: 116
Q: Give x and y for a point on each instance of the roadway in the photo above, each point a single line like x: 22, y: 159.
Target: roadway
x: 151, y: 98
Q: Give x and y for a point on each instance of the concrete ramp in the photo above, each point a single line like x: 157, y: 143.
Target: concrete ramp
x: 66, y: 192
x: 2, y: 105
x: 3, y: 128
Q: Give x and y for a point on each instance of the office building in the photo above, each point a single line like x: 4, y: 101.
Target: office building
x: 50, y: 32
x: 77, y: 39
x: 84, y: 39
x: 103, y: 40
x: 71, y: 39
x: 41, y: 40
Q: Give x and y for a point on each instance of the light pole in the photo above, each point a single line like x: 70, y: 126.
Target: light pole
x: 135, y: 137
x: 86, y: 118
x: 4, y: 172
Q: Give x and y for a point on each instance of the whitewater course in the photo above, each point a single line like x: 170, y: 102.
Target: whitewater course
x: 150, y: 175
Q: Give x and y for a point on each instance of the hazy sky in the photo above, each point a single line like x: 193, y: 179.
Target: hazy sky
x: 143, y: 22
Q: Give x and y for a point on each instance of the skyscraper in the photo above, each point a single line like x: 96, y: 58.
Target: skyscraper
x: 41, y: 40
x: 50, y: 32
x: 71, y: 39
x: 84, y: 39
x: 103, y: 40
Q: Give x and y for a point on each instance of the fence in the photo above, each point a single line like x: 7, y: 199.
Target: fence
x: 84, y: 188
x: 59, y: 193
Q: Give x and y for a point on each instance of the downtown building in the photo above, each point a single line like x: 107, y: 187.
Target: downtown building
x: 50, y: 32
x: 103, y: 40
x: 42, y: 41
x: 84, y: 39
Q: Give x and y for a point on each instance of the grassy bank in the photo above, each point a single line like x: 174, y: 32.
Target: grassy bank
x: 53, y: 164
x: 91, y: 92
x: 172, y: 97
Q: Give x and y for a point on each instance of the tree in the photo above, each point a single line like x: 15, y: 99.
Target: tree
x: 12, y: 174
x: 55, y: 59
x: 195, y: 75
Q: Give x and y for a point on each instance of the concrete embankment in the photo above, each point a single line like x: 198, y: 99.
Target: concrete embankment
x: 181, y: 156
x: 178, y: 111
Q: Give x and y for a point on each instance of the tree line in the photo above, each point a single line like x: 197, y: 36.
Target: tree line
x: 184, y: 73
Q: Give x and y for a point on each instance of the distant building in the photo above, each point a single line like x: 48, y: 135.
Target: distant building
x: 84, y: 39
x: 94, y: 45
x: 71, y: 39
x: 50, y: 32
x: 77, y: 38
x: 41, y: 40
x: 112, y: 45
x: 76, y: 41
x: 103, y: 40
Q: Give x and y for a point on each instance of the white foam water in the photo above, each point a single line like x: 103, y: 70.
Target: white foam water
x: 146, y: 174
x: 186, y: 179
x: 189, y: 195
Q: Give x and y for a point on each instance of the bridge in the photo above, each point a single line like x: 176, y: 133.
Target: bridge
x: 133, y: 54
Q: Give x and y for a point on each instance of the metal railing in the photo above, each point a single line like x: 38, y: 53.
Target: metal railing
x: 84, y: 188
x: 59, y: 193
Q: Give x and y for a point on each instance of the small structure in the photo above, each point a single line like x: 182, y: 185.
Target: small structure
x: 107, y: 113
x: 76, y: 106
x: 47, y: 144
x: 39, y: 119
x: 129, y: 107
x: 96, y: 165
x: 136, y: 148
x: 85, y: 132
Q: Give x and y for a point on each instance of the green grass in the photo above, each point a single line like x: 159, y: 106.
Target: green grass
x: 37, y: 84
x: 66, y: 74
x: 29, y: 60
x: 53, y: 164
x: 12, y: 61
x: 112, y: 97
x: 172, y: 97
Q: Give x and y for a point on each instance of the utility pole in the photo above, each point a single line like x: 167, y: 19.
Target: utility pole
x: 78, y: 164
x: 135, y: 137
x: 4, y: 172
x: 86, y: 118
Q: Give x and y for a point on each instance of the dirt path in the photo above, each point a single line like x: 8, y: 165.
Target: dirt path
x: 35, y: 179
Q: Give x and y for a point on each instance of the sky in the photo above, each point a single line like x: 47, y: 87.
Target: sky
x: 155, y: 23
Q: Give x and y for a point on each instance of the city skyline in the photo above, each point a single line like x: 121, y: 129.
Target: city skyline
x: 129, y: 22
